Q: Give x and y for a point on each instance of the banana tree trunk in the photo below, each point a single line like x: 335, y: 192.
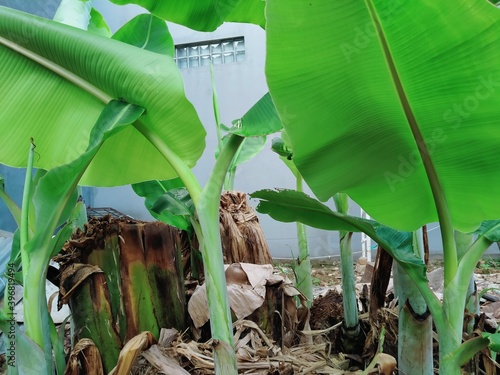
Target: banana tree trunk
x: 351, y: 330
x: 351, y: 318
x: 302, y: 269
x: 91, y: 310
x: 464, y: 241
x: 136, y: 283
x: 415, y: 355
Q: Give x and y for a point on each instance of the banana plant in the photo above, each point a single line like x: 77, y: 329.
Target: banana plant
x: 351, y: 326
x: 49, y: 200
x: 415, y: 335
x: 289, y: 206
x: 261, y: 113
x: 61, y: 84
x: 402, y: 93
x: 302, y: 267
x: 41, y: 67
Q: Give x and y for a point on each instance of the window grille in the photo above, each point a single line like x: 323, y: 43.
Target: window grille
x: 222, y: 51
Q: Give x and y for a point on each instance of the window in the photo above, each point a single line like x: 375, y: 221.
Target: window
x: 218, y: 52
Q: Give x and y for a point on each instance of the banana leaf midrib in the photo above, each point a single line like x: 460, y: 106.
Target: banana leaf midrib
x: 442, y: 210
x: 57, y: 69
x: 406, y: 106
x: 148, y: 34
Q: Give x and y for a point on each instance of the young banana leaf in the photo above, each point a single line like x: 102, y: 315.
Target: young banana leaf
x: 98, y: 24
x: 258, y: 122
x: 289, y: 206
x: 147, y: 32
x: 167, y: 201
x: 302, y: 267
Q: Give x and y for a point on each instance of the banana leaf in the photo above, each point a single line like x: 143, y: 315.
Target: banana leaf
x: 289, y: 206
x: 74, y: 13
x: 370, y: 90
x: 98, y: 24
x: 163, y: 197
x: 204, y: 15
x: 148, y: 32
x: 58, y: 112
x: 261, y: 119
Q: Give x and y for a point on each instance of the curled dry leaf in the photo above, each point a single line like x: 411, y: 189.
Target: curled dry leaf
x: 71, y: 277
x: 86, y: 354
x: 131, y: 351
x: 236, y: 275
x: 492, y: 310
x: 246, y: 290
x: 258, y: 274
x: 197, y: 306
x: 163, y: 362
x: 243, y: 299
x: 386, y: 364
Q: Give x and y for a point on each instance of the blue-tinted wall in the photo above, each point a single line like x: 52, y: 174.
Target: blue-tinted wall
x: 14, y: 184
x: 45, y: 9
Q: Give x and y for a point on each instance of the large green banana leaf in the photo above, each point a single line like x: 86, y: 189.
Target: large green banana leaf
x: 204, y: 15
x: 289, y: 206
x: 358, y: 84
x: 58, y: 114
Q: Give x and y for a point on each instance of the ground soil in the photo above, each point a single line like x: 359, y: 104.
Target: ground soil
x: 326, y: 273
x: 327, y: 309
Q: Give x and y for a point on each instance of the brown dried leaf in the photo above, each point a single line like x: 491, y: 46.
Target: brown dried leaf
x: 386, y: 364
x: 197, y: 306
x: 236, y: 275
x: 85, y: 353
x: 72, y: 277
x: 131, y: 351
x: 258, y: 274
x: 167, y: 337
x: 163, y: 362
x: 492, y: 309
x: 243, y: 300
x: 246, y: 290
